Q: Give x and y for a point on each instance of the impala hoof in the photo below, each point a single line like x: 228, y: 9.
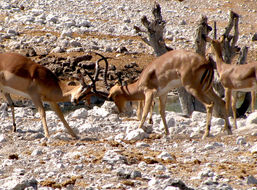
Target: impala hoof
x: 167, y: 133
x: 205, y: 136
x: 229, y: 132
x: 14, y: 128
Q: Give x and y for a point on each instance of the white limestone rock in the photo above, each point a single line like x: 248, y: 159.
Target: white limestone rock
x: 138, y: 134
x: 166, y: 156
x: 113, y: 157
x: 253, y: 149
x: 252, y: 119
x: 81, y: 113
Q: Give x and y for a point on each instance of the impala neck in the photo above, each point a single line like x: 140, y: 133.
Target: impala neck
x: 67, y: 91
x: 219, y: 59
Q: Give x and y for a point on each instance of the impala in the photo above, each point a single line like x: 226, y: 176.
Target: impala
x: 172, y: 70
x: 21, y: 76
x: 234, y: 78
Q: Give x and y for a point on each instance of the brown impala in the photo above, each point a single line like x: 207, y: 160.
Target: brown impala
x: 21, y: 76
x: 172, y: 70
x: 233, y: 77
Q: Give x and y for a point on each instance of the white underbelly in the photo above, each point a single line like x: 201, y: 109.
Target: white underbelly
x: 171, y: 85
x: 14, y: 91
x: 246, y: 89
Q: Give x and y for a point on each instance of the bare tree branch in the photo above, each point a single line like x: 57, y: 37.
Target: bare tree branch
x: 153, y: 35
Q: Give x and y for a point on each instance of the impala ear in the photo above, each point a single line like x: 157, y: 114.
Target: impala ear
x: 81, y: 80
x: 222, y: 38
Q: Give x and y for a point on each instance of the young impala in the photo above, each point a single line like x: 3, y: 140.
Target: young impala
x: 233, y: 77
x: 172, y: 70
x: 20, y: 75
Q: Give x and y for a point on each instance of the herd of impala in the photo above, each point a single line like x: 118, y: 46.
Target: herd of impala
x: 21, y: 76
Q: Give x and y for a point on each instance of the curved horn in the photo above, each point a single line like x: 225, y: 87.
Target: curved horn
x: 106, y: 69
x: 81, y: 80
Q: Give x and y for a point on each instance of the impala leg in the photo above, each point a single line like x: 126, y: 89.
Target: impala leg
x: 162, y: 106
x: 234, y: 99
x: 39, y: 105
x: 140, y: 106
x: 59, y: 113
x: 209, y: 109
x: 11, y: 104
x: 228, y: 95
x: 139, y: 109
x: 253, y: 99
x: 148, y: 103
x: 151, y: 113
x: 206, y: 98
x: 220, y: 110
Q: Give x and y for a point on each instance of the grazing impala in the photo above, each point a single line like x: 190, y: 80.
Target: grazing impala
x: 20, y: 75
x: 172, y: 70
x: 234, y: 78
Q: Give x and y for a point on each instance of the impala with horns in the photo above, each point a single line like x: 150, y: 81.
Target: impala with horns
x: 21, y: 76
x: 172, y: 70
x: 93, y: 91
x: 234, y: 77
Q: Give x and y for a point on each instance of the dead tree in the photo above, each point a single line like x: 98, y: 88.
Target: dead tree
x: 154, y: 31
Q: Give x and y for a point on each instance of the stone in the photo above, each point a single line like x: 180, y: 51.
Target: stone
x: 253, y: 149
x: 166, y: 156
x: 138, y: 134
x: 57, y: 50
x: 135, y: 174
x: 251, y: 180
x: 112, y: 157
x: 19, y: 183
x: 81, y: 113
x: 241, y: 141
x: 2, y: 138
x: 66, y: 33
x: 37, y: 152
x: 52, y: 18
x: 252, y: 119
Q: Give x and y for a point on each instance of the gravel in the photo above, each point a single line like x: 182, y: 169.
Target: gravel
x: 112, y: 153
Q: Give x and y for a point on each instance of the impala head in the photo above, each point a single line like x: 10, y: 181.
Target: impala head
x: 84, y: 91
x: 116, y: 95
x: 81, y: 91
x: 119, y: 95
x: 114, y: 92
x: 216, y: 45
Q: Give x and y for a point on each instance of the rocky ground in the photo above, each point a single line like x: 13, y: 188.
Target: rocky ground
x: 111, y: 152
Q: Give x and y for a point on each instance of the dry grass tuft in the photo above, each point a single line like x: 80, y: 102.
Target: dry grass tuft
x: 53, y: 184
